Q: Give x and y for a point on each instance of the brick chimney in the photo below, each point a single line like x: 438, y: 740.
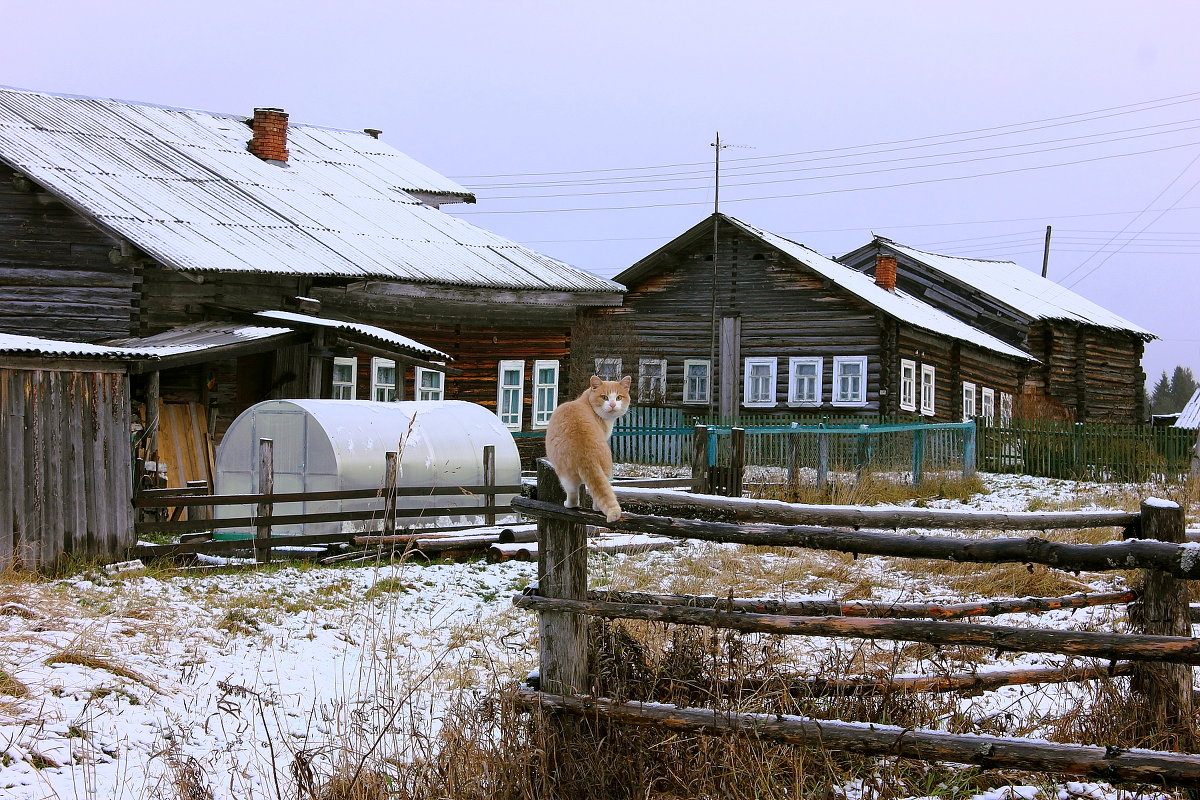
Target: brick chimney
x: 885, y: 272
x: 269, y: 139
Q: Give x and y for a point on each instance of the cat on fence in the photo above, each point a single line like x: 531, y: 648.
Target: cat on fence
x: 577, y: 443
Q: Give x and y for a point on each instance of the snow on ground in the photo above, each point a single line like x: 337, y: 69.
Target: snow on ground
x: 108, y: 685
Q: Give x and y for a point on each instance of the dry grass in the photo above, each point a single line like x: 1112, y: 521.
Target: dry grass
x: 874, y: 490
x: 92, y: 660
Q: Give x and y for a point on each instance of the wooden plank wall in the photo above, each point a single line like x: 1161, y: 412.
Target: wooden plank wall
x: 65, y: 459
x: 57, y: 280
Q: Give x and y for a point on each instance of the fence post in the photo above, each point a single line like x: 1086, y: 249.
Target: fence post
x: 489, y: 480
x: 199, y: 512
x: 822, y: 459
x: 1195, y: 467
x: 266, y: 486
x: 390, y: 474
x: 1165, y: 689
x: 562, y: 573
x: 737, y: 461
x: 862, y: 456
x: 793, y: 459
x: 918, y: 456
x: 969, y: 450
x: 700, y: 459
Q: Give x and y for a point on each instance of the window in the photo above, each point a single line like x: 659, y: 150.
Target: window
x: 695, y: 380
x: 968, y: 407
x: 511, y: 393
x: 545, y: 391
x: 760, y: 382
x: 652, y: 379
x: 345, y: 378
x: 849, y: 380
x: 928, y: 386
x: 609, y: 369
x: 1006, y: 408
x: 804, y: 383
x: 430, y: 384
x: 987, y: 404
x: 908, y: 385
x: 383, y: 379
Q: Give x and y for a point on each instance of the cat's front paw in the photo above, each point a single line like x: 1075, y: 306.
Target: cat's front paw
x: 613, y: 514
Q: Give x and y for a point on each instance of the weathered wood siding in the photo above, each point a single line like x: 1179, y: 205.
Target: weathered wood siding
x: 785, y: 310
x: 56, y: 276
x: 65, y: 464
x: 1088, y: 373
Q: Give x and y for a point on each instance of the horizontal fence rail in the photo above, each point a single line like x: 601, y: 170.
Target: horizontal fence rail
x: 1158, y: 654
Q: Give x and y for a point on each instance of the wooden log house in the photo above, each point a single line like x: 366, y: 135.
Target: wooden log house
x: 1088, y: 365
x: 772, y: 327
x: 146, y: 226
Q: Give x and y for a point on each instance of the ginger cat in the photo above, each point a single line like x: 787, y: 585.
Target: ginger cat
x: 577, y: 443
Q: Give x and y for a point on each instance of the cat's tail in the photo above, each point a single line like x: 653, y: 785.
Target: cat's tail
x: 601, y: 490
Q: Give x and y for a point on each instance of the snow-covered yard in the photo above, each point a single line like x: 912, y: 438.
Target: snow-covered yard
x: 110, y: 687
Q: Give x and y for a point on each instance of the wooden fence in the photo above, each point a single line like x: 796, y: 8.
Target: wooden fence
x: 1159, y: 656
x: 263, y: 518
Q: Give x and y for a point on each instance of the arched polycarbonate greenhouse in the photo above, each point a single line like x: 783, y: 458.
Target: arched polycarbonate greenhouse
x: 328, y: 445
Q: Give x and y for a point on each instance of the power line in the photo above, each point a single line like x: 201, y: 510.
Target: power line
x: 833, y: 191
x: 696, y: 175
x: 1129, y: 108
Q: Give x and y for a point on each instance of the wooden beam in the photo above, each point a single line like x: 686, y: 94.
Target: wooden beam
x: 1177, y: 560
x: 1103, y: 763
x: 400, y: 358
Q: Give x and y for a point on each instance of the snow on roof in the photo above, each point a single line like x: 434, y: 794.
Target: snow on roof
x: 1018, y: 288
x: 898, y: 304
x: 371, y: 331
x: 191, y: 339
x: 181, y: 185
x: 1190, y: 416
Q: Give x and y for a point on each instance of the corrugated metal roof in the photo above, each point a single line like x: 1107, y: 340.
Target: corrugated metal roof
x: 180, y: 185
x: 370, y: 331
x: 1190, y: 416
x: 1020, y: 289
x: 190, y: 339
x: 896, y: 304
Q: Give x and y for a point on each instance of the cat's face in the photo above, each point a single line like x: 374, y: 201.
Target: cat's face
x: 610, y: 399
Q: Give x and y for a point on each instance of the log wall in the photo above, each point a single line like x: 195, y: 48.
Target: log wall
x: 787, y: 310
x: 57, y: 279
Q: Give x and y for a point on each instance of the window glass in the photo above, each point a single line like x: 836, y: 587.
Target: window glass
x: 695, y: 380
x: 849, y: 380
x: 545, y: 391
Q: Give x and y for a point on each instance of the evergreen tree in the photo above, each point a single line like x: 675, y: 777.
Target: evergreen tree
x: 1160, y: 396
x: 1183, y: 386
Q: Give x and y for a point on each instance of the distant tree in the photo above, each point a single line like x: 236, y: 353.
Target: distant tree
x: 1171, y: 394
x: 1160, y: 395
x: 1183, y: 386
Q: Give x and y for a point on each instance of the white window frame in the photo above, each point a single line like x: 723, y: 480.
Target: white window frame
x: 545, y: 395
x: 987, y: 404
x: 421, y: 392
x: 652, y: 388
x: 1006, y: 408
x: 700, y: 396
x: 338, y: 388
x: 609, y: 369
x: 502, y: 390
x: 928, y: 398
x: 376, y: 385
x: 968, y: 401
x: 838, y: 363
x: 768, y: 400
x: 794, y: 398
x: 908, y: 384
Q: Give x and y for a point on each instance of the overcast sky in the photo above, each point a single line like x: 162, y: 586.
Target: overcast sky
x: 956, y: 127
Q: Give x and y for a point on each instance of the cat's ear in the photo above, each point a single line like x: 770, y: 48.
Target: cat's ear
x: 595, y: 382
x: 625, y: 381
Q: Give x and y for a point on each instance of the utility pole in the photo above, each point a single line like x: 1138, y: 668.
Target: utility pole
x: 712, y: 346
x: 1046, y: 254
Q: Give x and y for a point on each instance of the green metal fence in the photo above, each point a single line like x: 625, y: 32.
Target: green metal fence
x: 1087, y: 451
